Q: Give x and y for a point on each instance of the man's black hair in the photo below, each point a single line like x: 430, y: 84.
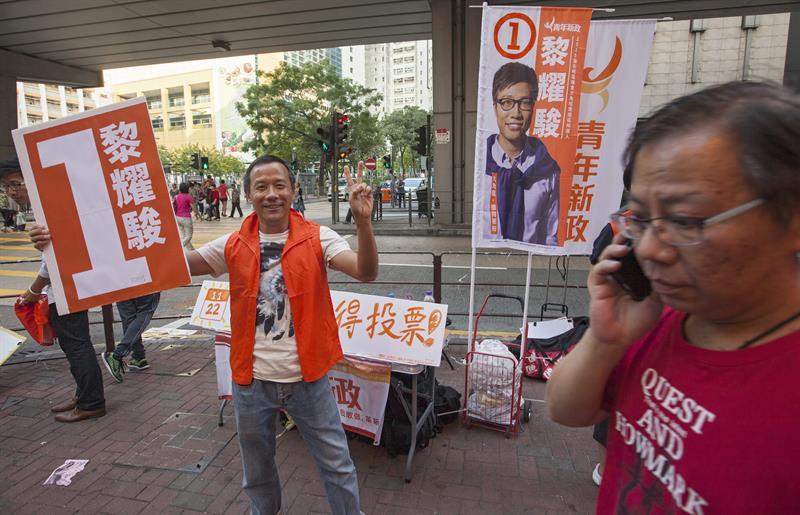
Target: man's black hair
x: 183, y: 188
x: 763, y: 121
x: 264, y: 160
x: 9, y: 166
x: 512, y: 73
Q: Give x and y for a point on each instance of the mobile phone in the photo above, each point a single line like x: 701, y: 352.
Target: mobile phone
x: 631, y: 277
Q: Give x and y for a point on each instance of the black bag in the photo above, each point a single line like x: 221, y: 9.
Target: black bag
x: 448, y: 400
x: 396, y: 434
x: 541, y: 355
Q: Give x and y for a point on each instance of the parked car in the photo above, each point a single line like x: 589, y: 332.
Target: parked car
x: 414, y: 183
x: 344, y: 193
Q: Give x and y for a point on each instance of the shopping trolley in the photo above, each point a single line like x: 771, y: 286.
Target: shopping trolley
x: 493, y: 382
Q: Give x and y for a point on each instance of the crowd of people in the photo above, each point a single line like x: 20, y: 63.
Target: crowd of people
x: 697, y: 381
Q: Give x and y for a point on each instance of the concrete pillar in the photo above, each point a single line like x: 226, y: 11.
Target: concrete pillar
x: 8, y: 115
x: 456, y: 56
x: 791, y: 71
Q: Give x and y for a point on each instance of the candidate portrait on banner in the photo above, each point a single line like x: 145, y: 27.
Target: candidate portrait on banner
x: 524, y: 174
x: 528, y: 99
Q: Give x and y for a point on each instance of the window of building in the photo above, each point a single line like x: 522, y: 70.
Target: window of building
x: 200, y: 94
x: 201, y: 120
x: 175, y: 97
x: 177, y: 122
x: 52, y: 104
x: 34, y: 119
x: 157, y: 123
x: 153, y: 99
x: 32, y: 101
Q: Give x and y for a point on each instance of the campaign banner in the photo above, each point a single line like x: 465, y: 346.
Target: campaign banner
x: 613, y: 80
x: 389, y: 329
x: 212, y: 309
x: 529, y: 93
x: 361, y: 390
x: 95, y: 180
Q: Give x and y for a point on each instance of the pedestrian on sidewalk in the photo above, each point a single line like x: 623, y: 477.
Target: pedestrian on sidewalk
x: 135, y: 315
x: 223, y: 197
x: 234, y: 194
x: 183, y: 214
x: 699, y: 378
x: 71, y: 329
x: 212, y: 198
x: 299, y: 204
x: 284, y: 335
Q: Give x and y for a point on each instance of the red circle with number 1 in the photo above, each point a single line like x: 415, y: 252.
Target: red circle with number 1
x: 514, y: 50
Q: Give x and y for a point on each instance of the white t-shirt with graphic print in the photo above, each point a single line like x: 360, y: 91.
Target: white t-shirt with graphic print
x: 275, y: 351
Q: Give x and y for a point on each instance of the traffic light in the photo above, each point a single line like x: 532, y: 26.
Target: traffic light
x: 421, y: 147
x: 204, y: 163
x: 344, y: 152
x: 196, y: 161
x: 342, y: 127
x: 325, y: 140
x: 387, y: 162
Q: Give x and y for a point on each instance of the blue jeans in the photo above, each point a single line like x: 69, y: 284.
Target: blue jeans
x: 317, y: 417
x: 136, y: 315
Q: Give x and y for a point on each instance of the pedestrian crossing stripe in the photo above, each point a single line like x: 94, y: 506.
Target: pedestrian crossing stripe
x: 6, y: 291
x: 24, y: 248
x: 17, y: 273
x: 19, y: 258
x: 21, y: 237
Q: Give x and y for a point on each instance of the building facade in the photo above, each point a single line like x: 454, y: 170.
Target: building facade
x: 402, y: 73
x: 42, y: 102
x: 315, y: 56
x: 690, y: 55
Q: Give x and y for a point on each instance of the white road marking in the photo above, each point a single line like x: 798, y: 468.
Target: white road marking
x: 445, y: 266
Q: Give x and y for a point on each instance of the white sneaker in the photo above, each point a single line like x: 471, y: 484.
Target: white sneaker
x: 597, y: 477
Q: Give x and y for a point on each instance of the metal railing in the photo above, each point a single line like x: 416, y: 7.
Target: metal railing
x: 436, y: 283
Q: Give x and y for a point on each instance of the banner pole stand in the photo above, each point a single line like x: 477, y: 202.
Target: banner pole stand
x: 524, y: 328
x: 470, y: 339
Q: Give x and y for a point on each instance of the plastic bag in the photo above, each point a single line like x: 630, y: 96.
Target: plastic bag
x: 494, y: 383
x: 35, y: 317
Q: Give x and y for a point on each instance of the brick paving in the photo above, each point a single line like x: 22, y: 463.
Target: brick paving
x: 546, y: 469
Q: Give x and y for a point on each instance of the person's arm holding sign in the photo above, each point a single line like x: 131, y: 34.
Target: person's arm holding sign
x: 361, y: 264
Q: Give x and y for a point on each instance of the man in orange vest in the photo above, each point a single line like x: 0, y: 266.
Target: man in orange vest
x: 284, y: 335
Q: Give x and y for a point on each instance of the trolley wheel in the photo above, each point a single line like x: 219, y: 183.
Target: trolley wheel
x: 527, y: 411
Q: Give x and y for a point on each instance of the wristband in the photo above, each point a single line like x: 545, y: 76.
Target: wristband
x: 33, y: 292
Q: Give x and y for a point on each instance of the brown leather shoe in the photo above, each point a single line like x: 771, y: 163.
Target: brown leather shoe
x: 77, y: 414
x: 67, y: 406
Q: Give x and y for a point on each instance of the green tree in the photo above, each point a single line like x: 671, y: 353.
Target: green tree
x: 290, y: 103
x: 400, y: 129
x: 180, y: 159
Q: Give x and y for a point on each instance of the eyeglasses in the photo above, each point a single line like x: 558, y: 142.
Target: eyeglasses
x: 678, y: 231
x: 507, y: 104
x: 12, y: 186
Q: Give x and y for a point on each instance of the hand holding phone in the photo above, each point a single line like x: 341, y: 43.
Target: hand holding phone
x: 631, y: 277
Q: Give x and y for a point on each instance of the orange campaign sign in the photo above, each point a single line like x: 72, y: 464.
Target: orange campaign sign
x: 96, y: 181
x: 529, y: 95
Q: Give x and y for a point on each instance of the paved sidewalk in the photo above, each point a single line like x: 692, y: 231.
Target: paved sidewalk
x: 159, y: 450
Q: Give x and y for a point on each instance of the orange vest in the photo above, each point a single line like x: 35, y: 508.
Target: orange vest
x: 304, y: 271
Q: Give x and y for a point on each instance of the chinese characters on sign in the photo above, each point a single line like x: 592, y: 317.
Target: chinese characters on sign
x: 360, y: 390
x: 96, y: 181
x: 389, y: 329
